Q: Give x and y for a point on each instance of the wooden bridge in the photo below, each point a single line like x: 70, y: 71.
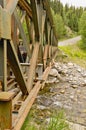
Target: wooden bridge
x: 28, y: 43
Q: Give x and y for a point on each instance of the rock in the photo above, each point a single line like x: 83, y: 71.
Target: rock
x: 84, y: 75
x: 70, y: 64
x: 58, y: 104
x: 51, y: 80
x: 53, y: 72
x: 62, y: 91
x: 72, y: 97
x: 74, y: 86
x: 41, y: 107
x: 79, y: 70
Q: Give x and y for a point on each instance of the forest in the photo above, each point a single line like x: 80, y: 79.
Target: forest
x: 69, y: 20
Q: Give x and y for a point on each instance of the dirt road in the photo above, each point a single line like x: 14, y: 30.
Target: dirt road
x: 69, y: 41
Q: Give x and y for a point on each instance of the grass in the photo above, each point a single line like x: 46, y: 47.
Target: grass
x: 76, y: 53
x: 57, y: 121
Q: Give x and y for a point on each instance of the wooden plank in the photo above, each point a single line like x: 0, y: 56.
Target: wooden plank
x: 11, y: 5
x: 6, y: 96
x: 22, y: 20
x: 5, y: 115
x: 35, y: 19
x: 23, y: 35
x: 5, y: 66
x: 49, y: 15
x: 26, y: 6
x: 14, y: 63
x: 3, y: 63
x: 45, y: 57
x: 5, y: 24
x: 28, y: 26
x: 14, y: 32
x: 32, y: 66
x: 32, y: 33
x: 6, y: 110
x: 29, y: 101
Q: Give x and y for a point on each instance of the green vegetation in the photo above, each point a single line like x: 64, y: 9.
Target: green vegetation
x: 56, y: 121
x: 59, y: 24
x: 82, y: 27
x: 69, y: 17
x: 76, y: 53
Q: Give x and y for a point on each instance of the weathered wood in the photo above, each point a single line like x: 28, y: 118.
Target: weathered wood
x: 14, y: 32
x: 25, y: 41
x: 5, y: 24
x: 29, y: 101
x: 49, y: 15
x: 28, y: 26
x: 3, y: 63
x: 26, y: 6
x: 40, y: 56
x: 5, y: 110
x: 6, y: 96
x: 32, y: 33
x: 22, y: 20
x: 35, y: 19
x: 11, y: 5
x: 14, y: 63
x: 45, y: 57
x: 33, y: 66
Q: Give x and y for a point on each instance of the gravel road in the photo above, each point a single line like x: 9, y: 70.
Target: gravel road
x: 69, y: 41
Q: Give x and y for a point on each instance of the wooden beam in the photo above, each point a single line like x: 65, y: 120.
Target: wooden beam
x: 45, y: 57
x: 23, y: 35
x: 32, y: 66
x: 29, y: 101
x: 14, y: 63
x: 14, y: 32
x: 35, y: 19
x: 28, y: 26
x: 49, y: 15
x: 22, y: 20
x: 6, y: 110
x: 25, y: 6
x: 11, y: 5
x: 3, y: 64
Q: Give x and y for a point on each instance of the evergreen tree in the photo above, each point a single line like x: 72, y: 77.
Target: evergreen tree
x: 82, y: 27
x: 59, y: 25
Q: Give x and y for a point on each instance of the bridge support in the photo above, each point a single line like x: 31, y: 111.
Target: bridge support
x: 6, y: 110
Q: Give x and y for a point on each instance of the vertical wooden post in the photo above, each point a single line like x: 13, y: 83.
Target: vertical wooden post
x: 6, y: 110
x: 14, y: 32
x: 3, y: 57
x: 33, y: 66
x: 5, y: 66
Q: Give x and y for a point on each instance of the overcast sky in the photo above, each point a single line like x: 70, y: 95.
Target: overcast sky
x: 77, y: 3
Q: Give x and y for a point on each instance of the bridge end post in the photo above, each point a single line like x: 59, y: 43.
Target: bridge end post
x: 6, y: 110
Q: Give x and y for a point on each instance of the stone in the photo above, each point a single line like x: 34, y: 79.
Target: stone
x: 53, y: 72
x: 84, y: 75
x: 58, y: 104
x: 62, y: 91
x: 51, y: 80
x: 70, y: 64
x: 74, y: 86
x: 41, y: 107
x: 79, y: 70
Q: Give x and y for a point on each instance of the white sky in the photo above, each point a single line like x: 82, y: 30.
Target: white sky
x: 76, y: 3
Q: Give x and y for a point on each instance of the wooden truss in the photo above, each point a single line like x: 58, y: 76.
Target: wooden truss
x: 28, y: 42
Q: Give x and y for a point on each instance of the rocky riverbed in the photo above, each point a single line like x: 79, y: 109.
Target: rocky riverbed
x: 66, y: 89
